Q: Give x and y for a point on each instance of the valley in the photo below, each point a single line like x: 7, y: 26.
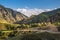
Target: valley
x: 17, y: 26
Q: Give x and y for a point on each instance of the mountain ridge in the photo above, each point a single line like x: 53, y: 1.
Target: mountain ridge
x: 10, y: 15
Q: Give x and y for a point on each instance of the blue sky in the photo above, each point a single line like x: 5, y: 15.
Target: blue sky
x: 43, y: 4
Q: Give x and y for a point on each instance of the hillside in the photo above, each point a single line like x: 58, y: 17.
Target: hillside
x: 8, y: 15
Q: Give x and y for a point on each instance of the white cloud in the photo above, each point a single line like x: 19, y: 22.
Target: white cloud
x: 29, y: 12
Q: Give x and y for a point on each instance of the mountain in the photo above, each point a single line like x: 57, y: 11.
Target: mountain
x: 8, y: 15
x: 32, y: 11
x: 50, y: 16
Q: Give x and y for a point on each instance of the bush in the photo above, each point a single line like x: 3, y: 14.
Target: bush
x: 58, y: 28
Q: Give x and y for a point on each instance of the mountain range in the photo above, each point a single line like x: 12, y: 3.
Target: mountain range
x: 8, y: 15
x: 50, y: 16
x: 32, y: 11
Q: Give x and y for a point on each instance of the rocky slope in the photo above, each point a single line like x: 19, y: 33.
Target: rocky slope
x: 8, y: 15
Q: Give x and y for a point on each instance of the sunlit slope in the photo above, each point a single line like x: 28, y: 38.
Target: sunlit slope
x: 9, y: 15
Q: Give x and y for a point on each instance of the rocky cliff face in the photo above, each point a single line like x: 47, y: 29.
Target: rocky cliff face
x: 8, y: 15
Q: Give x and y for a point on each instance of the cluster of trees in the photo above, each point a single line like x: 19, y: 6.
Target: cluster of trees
x: 33, y: 25
x: 11, y: 30
x: 5, y: 26
x: 7, y: 34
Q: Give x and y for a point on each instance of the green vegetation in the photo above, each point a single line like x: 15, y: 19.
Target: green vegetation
x: 37, y: 36
x: 13, y: 30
